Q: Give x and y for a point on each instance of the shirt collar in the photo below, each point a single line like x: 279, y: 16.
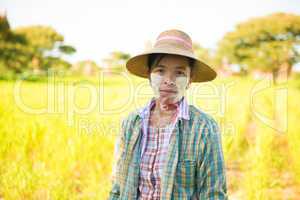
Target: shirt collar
x: 183, y: 109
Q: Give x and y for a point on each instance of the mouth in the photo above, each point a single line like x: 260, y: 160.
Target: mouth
x: 168, y: 91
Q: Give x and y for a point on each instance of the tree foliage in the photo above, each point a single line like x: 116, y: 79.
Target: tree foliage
x: 31, y: 48
x: 265, y: 43
x: 116, y: 60
x: 204, y: 54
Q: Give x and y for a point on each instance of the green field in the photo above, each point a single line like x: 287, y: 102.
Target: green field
x: 57, y: 137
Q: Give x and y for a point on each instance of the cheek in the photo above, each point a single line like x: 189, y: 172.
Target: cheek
x: 181, y: 82
x: 155, y: 79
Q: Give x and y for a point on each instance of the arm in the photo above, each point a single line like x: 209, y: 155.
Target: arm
x: 211, y: 177
x: 114, y: 193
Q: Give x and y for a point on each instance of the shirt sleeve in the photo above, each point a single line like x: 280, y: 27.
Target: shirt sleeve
x: 211, y: 177
x: 114, y: 193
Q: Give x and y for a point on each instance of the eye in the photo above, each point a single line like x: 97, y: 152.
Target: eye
x: 160, y: 70
x: 180, y: 73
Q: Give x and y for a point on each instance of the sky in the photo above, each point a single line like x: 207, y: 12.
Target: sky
x: 96, y: 27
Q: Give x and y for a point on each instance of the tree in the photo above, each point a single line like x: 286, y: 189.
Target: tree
x: 13, y: 49
x: 43, y: 41
x: 85, y: 67
x: 266, y: 43
x: 204, y: 54
x: 116, y: 60
x: 31, y: 48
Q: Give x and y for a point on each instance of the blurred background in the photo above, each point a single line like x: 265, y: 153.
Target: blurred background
x: 64, y: 90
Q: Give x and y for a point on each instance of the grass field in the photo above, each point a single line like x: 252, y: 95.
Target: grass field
x: 57, y: 137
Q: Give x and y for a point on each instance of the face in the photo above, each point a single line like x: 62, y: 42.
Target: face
x: 170, y: 78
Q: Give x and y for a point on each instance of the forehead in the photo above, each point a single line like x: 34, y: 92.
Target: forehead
x: 173, y: 61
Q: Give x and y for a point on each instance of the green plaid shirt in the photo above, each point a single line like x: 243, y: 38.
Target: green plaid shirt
x: 194, y: 168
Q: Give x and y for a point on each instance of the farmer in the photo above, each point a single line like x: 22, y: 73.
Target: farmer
x: 169, y: 149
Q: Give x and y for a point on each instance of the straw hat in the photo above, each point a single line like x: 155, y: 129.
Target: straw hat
x: 171, y: 42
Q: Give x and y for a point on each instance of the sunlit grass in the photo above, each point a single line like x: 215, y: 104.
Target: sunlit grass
x: 57, y: 139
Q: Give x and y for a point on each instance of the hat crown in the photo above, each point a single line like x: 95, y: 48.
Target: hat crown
x: 175, y: 42
x: 174, y: 38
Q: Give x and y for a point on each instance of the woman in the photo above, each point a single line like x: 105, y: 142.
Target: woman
x: 169, y: 149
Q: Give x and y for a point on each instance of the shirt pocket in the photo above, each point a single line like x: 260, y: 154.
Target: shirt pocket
x: 185, y: 174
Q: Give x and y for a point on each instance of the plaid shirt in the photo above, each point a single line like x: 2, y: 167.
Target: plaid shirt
x: 182, y: 112
x: 152, y: 164
x: 153, y: 156
x: 194, y: 164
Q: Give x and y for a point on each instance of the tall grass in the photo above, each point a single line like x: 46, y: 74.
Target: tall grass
x: 68, y: 155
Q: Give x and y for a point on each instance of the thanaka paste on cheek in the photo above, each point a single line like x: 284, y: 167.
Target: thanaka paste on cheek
x: 181, y: 84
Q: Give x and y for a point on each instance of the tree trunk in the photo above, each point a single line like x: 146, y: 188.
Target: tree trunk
x: 283, y: 72
x: 275, y: 75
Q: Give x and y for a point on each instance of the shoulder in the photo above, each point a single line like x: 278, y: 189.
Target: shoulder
x: 132, y: 117
x: 200, y: 116
x: 207, y: 124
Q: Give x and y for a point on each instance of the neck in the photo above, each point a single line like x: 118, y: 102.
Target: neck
x: 164, y: 109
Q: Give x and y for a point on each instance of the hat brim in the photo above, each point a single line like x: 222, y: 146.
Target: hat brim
x: 137, y: 65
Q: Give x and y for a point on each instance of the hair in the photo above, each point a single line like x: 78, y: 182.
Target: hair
x: 155, y: 58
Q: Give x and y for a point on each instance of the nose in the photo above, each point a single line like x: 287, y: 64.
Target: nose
x: 169, y: 80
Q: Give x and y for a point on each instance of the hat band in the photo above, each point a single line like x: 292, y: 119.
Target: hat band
x: 184, y: 42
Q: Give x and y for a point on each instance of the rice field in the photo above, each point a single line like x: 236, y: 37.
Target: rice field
x: 57, y: 136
